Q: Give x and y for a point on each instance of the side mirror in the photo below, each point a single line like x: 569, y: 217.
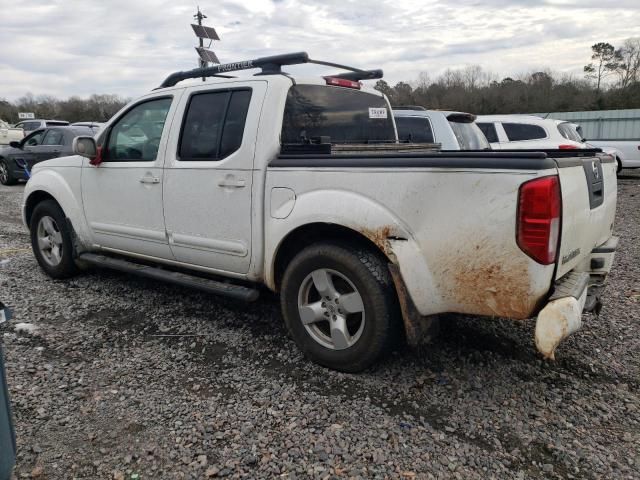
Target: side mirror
x: 15, y: 144
x: 85, y: 147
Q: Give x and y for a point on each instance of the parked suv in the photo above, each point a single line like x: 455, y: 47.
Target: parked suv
x: 38, y: 146
x: 32, y: 125
x: 528, y: 132
x: 452, y: 130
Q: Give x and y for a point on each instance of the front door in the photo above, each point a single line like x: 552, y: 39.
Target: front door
x: 26, y: 156
x: 51, y: 146
x: 209, y: 175
x: 123, y: 195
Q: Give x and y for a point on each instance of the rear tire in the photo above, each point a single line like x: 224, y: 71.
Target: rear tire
x: 619, y: 169
x: 51, y: 240
x: 6, y: 177
x: 339, y: 305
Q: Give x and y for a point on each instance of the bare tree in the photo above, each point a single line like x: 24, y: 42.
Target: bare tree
x: 628, y: 68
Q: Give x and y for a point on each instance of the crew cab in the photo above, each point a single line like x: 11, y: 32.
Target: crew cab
x: 295, y: 184
x: 451, y: 130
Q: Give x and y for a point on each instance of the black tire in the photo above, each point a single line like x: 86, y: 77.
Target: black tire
x: 369, y: 274
x: 66, y: 266
x: 6, y: 177
x: 619, y: 169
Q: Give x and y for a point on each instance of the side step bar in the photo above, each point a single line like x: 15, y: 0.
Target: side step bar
x: 238, y: 292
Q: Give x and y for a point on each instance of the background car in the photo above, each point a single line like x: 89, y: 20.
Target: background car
x: 38, y: 146
x: 452, y: 130
x: 528, y: 132
x: 9, y: 134
x: 32, y: 125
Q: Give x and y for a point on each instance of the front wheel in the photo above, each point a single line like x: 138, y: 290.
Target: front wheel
x: 51, y: 240
x: 619, y: 168
x: 6, y: 177
x: 339, y: 306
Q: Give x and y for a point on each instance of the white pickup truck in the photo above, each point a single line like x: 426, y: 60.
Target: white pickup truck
x: 293, y: 183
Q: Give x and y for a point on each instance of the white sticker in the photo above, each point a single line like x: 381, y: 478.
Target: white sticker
x: 377, y: 112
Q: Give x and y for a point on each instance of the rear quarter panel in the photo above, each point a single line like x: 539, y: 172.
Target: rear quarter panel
x: 455, y: 231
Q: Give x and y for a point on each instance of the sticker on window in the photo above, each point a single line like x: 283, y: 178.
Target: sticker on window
x: 377, y: 112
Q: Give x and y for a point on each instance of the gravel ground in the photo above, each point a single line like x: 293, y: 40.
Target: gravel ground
x: 125, y: 376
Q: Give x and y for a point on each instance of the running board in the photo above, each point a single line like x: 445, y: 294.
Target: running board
x: 211, y: 286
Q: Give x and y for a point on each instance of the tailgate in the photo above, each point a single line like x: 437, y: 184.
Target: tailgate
x: 589, y: 193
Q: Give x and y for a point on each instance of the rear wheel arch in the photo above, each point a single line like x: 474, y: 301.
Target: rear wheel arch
x: 306, y: 235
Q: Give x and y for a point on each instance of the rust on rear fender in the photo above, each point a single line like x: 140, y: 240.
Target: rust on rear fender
x: 487, y: 281
x: 418, y: 328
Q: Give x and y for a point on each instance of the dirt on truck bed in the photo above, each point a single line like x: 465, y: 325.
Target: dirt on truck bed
x: 114, y: 376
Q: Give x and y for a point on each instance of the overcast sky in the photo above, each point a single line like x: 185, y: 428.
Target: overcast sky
x: 126, y: 47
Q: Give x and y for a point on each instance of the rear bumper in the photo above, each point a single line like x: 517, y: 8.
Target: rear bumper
x: 575, y: 292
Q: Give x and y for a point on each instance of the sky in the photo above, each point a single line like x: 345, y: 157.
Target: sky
x: 127, y: 47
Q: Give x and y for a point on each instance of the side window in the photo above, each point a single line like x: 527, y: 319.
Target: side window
x: 523, y: 131
x: 489, y: 130
x: 135, y: 137
x: 213, y: 125
x: 414, y: 129
x: 34, y: 139
x: 53, y: 137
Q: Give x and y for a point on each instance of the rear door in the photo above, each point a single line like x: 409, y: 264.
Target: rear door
x: 209, y: 174
x: 589, y: 193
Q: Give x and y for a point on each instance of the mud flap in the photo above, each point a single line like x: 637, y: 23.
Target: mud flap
x: 418, y: 328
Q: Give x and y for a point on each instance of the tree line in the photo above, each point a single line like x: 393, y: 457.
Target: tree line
x: 611, y: 81
x: 96, y: 108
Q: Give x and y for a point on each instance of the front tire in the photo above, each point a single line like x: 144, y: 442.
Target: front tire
x: 339, y: 306
x: 619, y: 169
x: 6, y: 177
x: 51, y: 240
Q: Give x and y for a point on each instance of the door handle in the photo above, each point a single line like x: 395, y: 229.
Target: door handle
x: 149, y: 179
x: 232, y: 183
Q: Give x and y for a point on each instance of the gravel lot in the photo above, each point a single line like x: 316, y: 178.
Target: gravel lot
x: 125, y: 376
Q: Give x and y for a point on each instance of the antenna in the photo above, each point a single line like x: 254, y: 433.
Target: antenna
x: 203, y: 33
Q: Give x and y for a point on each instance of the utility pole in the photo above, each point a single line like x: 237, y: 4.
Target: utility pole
x: 199, y: 16
x: 203, y: 32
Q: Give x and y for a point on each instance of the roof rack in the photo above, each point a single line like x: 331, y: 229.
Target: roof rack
x: 270, y: 66
x: 408, y: 107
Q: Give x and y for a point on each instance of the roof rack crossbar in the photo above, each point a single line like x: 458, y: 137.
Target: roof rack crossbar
x: 269, y: 65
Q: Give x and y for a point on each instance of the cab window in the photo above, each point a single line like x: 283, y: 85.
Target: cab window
x: 34, y: 139
x: 135, y: 137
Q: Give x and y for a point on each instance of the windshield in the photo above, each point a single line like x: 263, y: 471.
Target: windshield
x: 469, y: 136
x: 343, y: 115
x: 568, y: 131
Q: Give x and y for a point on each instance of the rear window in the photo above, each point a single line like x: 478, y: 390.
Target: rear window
x: 469, y: 136
x: 523, y: 131
x: 568, y: 131
x: 489, y: 131
x: 343, y: 115
x: 54, y: 123
x: 414, y: 129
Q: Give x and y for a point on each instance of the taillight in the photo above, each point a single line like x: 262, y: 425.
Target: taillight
x: 538, y: 228
x: 342, y: 82
x: 567, y: 147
